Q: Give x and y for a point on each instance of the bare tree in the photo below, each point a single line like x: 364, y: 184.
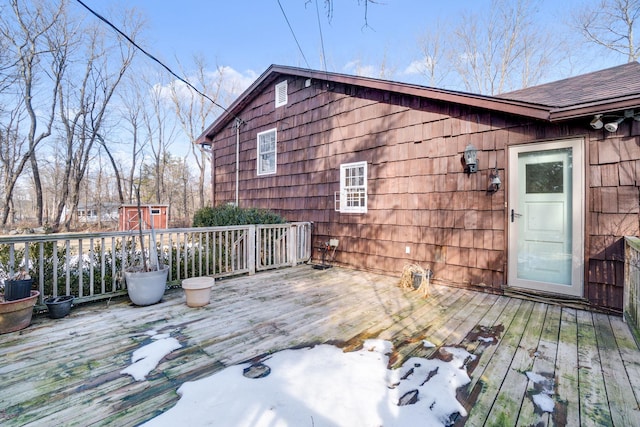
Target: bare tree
x: 328, y: 7
x: 36, y: 39
x: 159, y: 132
x: 501, y: 51
x: 132, y: 96
x: 195, y: 112
x: 610, y: 24
x: 433, y: 46
x: 498, y: 50
x: 84, y: 100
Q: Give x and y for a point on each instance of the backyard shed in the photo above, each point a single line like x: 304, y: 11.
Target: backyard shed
x: 129, y: 218
x: 531, y: 191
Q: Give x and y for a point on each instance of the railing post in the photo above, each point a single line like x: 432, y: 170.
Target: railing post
x: 293, y: 244
x: 251, y: 248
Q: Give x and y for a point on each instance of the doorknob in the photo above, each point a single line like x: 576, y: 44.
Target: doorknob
x: 514, y: 215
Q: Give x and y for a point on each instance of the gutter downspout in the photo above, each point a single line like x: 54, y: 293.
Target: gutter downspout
x: 238, y: 123
x: 206, y: 147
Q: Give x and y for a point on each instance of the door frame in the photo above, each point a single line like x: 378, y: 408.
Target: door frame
x: 578, y: 217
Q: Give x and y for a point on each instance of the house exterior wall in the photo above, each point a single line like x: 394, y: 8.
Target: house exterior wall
x: 614, y: 210
x: 419, y: 197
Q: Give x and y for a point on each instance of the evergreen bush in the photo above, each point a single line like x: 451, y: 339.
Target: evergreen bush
x: 228, y: 214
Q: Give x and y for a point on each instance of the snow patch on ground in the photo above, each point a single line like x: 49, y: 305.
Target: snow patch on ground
x: 428, y: 344
x: 544, y: 402
x: 544, y: 387
x: 324, y: 386
x: 146, y: 358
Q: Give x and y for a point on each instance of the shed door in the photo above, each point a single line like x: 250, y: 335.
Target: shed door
x: 133, y: 219
x: 546, y: 217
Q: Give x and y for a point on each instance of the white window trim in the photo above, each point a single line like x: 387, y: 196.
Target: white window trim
x: 281, y: 94
x: 155, y: 211
x: 275, y: 153
x: 343, y: 188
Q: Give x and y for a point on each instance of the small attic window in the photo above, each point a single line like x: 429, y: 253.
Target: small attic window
x: 281, y: 94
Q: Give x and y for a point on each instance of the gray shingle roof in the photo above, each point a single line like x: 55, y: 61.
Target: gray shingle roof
x: 608, y: 84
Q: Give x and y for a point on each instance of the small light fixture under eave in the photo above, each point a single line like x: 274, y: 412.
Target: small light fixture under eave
x: 206, y: 146
x: 470, y: 158
x: 613, y: 126
x: 597, y: 122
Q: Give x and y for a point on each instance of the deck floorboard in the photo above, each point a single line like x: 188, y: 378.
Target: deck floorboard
x: 68, y: 371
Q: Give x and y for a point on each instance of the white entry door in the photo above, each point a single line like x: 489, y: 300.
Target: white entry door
x: 546, y: 216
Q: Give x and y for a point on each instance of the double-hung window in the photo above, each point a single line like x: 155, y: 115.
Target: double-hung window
x: 267, y: 152
x: 353, y: 187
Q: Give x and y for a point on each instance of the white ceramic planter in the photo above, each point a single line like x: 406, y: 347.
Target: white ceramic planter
x: 146, y: 287
x: 198, y: 290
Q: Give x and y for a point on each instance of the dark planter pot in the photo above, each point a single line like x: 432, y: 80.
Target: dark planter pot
x: 59, y: 307
x: 17, y: 289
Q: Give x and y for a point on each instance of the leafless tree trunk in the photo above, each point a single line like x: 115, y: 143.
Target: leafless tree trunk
x: 36, y: 37
x: 83, y: 105
x: 161, y: 134
x: 132, y: 98
x: 610, y: 24
x: 195, y: 113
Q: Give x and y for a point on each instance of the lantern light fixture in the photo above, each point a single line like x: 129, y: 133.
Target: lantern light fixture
x: 470, y: 159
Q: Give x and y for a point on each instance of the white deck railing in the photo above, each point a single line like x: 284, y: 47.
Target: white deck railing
x: 90, y: 265
x: 632, y: 284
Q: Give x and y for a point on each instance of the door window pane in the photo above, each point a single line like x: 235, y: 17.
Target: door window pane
x: 544, y: 178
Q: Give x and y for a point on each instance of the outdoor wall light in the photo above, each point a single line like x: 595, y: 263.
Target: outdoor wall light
x: 205, y: 146
x: 613, y: 126
x: 597, y: 123
x: 470, y: 159
x: 494, y: 181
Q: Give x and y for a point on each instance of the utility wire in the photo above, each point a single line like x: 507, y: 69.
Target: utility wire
x: 117, y: 30
x: 324, y: 56
x: 293, y: 34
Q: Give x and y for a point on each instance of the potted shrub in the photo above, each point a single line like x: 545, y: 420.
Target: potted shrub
x: 146, y: 283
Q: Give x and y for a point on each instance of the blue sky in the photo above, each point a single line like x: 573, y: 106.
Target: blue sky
x: 246, y: 36
x: 250, y: 35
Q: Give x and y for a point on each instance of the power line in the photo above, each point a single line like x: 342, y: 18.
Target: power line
x: 293, y: 34
x: 324, y: 56
x: 117, y: 30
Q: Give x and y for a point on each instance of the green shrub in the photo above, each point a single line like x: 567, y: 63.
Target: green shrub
x: 228, y: 214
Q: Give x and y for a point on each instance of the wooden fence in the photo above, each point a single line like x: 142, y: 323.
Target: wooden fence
x: 90, y: 265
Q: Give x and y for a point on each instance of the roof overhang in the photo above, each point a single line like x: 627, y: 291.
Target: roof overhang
x: 601, y: 107
x: 508, y: 106
x: 275, y: 72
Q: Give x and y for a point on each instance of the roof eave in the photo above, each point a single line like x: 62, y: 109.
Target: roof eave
x: 599, y: 107
x: 479, y: 101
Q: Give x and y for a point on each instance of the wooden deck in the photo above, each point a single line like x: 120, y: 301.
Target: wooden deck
x: 67, y: 371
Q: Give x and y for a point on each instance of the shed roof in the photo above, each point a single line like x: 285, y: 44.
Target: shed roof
x: 604, y: 91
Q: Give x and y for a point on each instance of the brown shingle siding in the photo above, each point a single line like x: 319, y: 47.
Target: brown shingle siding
x: 419, y: 195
